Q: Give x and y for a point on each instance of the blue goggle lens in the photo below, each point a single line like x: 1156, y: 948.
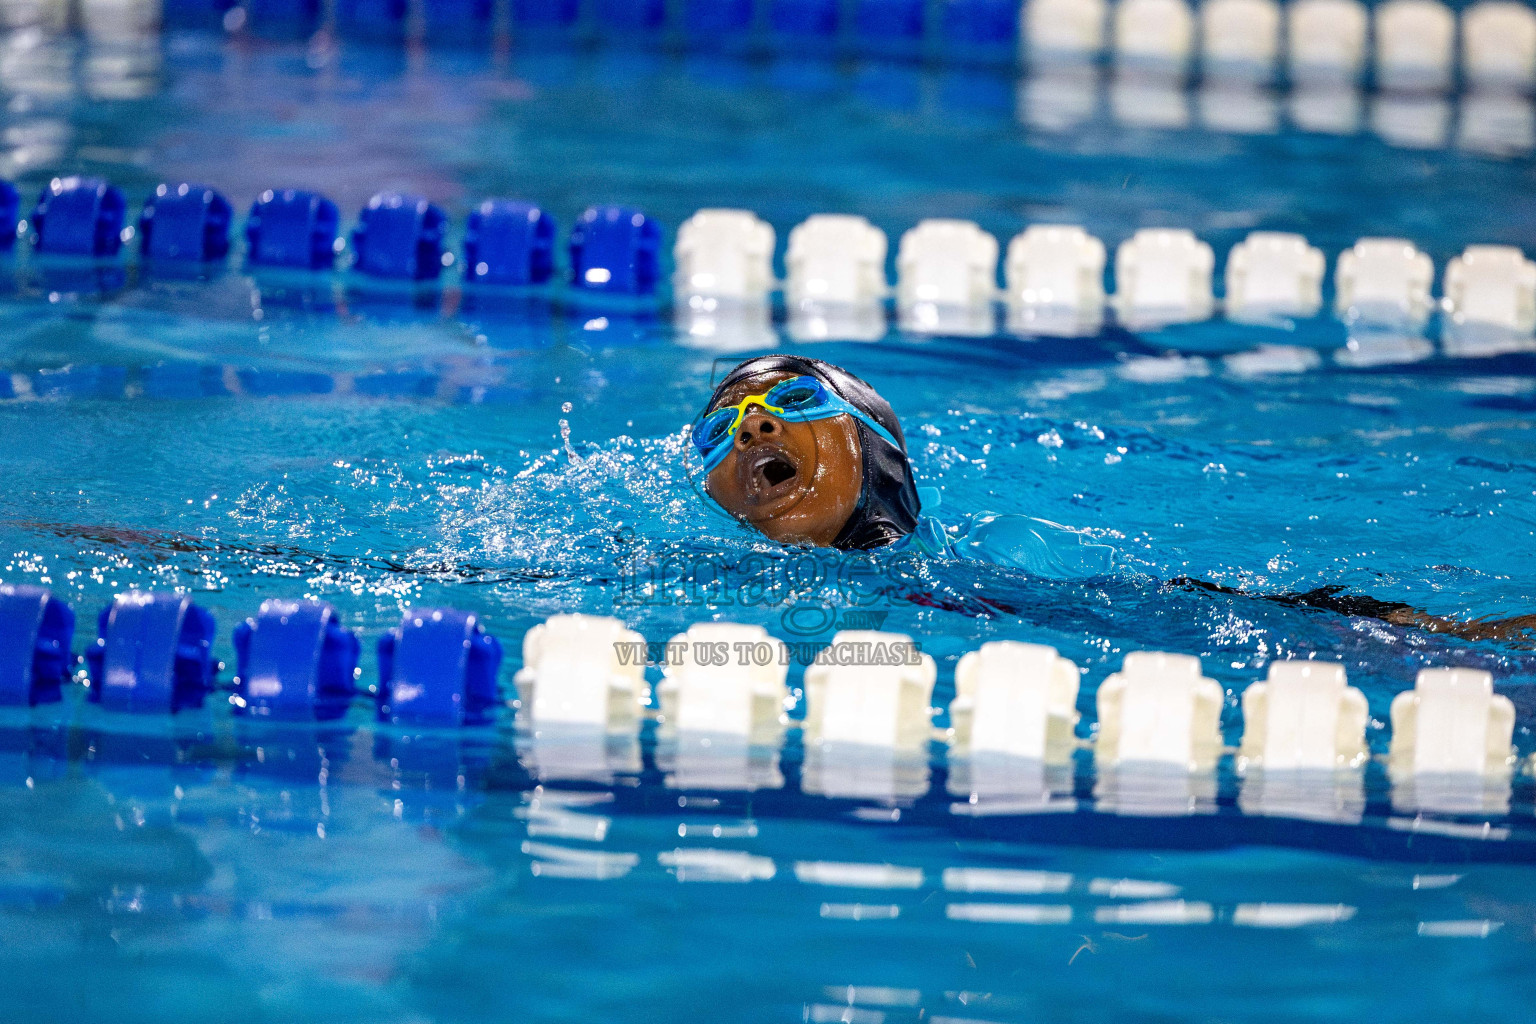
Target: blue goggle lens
x: 797, y: 394
x: 714, y: 430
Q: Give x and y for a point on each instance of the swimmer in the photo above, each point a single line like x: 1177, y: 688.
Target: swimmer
x: 808, y: 454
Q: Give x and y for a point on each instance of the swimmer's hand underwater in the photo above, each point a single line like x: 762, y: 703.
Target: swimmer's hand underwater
x: 807, y: 453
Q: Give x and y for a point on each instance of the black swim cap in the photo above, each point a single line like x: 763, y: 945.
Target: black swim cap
x: 888, y: 505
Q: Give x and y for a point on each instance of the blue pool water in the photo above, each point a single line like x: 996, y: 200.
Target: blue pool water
x: 251, y: 437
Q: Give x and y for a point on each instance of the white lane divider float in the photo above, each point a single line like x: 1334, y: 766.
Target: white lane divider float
x: 1383, y: 279
x: 1273, y: 274
x: 1012, y: 724
x: 1415, y: 45
x: 583, y: 670
x: 1452, y: 751
x: 725, y: 679
x: 836, y: 259
x: 1493, y: 285
x: 1303, y: 743
x: 879, y: 705
x: 1156, y: 33
x: 725, y: 254
x: 1054, y: 278
x: 1382, y: 293
x: 1305, y: 716
x: 867, y: 725
x: 723, y: 708
x: 1452, y: 723
x: 1240, y: 37
x: 1490, y: 302
x: 1065, y: 29
x: 1055, y: 281
x: 1498, y: 45
x: 1326, y: 40
x: 949, y: 262
x: 1159, y: 737
x: 1163, y: 276
x: 947, y: 279
x: 1160, y: 710
x: 1015, y: 699
x: 723, y: 281
x: 836, y: 279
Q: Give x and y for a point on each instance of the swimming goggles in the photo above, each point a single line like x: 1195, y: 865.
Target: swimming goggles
x: 799, y: 399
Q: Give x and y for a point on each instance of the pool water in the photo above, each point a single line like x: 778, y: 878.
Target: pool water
x: 251, y: 437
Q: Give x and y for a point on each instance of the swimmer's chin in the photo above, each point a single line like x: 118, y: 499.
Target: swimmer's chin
x: 795, y: 529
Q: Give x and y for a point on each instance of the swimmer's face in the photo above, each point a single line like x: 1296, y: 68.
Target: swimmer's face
x: 796, y: 482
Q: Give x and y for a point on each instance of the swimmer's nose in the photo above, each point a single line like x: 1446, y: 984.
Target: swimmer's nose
x: 756, y: 425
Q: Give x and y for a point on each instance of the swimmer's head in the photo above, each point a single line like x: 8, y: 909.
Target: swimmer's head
x: 807, y: 453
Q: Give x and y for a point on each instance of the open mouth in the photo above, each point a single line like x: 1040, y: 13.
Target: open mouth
x: 770, y: 474
x: 778, y: 471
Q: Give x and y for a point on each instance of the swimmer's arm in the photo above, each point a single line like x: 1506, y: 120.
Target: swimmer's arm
x: 1335, y: 599
x: 1046, y: 549
x: 1036, y: 546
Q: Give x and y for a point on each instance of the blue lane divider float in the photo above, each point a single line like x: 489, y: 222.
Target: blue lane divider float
x: 79, y: 217
x: 83, y: 382
x: 153, y: 654
x: 804, y: 17
x: 438, y: 667
x: 632, y: 14
x: 292, y: 228
x: 457, y: 19
x: 372, y: 18
x: 401, y: 237
x: 183, y: 380
x: 287, y: 16
x: 717, y: 15
x: 889, y: 21
x: 260, y: 383
x: 554, y: 13
x: 185, y: 222
x: 10, y: 215
x: 615, y: 249
x: 981, y: 23
x: 295, y: 661
x: 36, y: 630
x: 509, y: 242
